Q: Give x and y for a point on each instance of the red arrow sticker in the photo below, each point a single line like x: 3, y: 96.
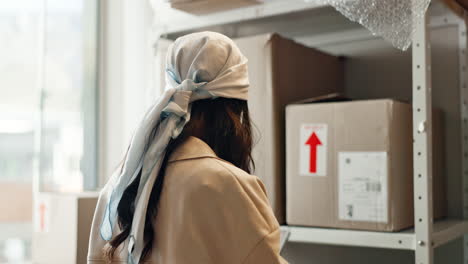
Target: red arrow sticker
x: 42, y: 213
x: 313, y: 150
x: 42, y: 210
x: 313, y: 142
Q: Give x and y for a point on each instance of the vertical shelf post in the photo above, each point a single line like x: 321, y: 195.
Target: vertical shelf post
x: 462, y: 36
x: 422, y: 146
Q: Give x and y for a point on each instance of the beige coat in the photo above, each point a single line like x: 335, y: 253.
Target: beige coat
x: 210, y: 212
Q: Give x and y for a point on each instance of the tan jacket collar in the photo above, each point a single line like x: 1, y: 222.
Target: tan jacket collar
x: 192, y: 148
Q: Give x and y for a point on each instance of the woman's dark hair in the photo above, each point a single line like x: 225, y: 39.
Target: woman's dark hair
x: 224, y: 124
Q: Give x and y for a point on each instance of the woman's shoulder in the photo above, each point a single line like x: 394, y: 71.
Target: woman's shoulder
x: 223, y: 185
x: 216, y: 176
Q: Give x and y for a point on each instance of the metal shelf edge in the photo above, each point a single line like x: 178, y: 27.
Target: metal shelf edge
x: 444, y: 232
x: 447, y: 231
x: 356, y: 238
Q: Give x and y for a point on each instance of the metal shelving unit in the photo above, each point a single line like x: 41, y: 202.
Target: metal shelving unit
x: 426, y: 235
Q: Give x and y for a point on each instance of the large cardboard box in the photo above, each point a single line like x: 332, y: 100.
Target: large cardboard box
x: 282, y: 71
x: 202, y: 7
x: 349, y: 165
x: 62, y: 223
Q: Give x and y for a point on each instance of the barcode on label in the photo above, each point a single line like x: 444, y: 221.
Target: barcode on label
x: 373, y: 187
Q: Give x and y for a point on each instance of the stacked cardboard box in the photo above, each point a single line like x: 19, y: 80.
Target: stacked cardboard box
x: 349, y: 165
x: 62, y: 223
x: 202, y: 7
x: 282, y: 71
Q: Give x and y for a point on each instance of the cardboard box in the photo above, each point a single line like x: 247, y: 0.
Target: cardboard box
x: 349, y: 165
x: 15, y: 210
x: 202, y: 7
x: 282, y: 71
x: 62, y: 223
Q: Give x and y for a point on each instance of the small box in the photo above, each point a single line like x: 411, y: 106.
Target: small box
x: 62, y: 223
x: 350, y: 165
x: 282, y: 71
x: 202, y: 7
x: 15, y: 210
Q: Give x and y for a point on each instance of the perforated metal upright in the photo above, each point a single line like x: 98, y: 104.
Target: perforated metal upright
x: 422, y: 134
x: 422, y: 146
x: 462, y: 60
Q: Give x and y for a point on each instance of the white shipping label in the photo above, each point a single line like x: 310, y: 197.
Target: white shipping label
x: 362, y: 183
x: 313, y: 150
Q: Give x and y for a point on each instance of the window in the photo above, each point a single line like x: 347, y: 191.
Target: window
x: 69, y: 97
x: 48, y: 109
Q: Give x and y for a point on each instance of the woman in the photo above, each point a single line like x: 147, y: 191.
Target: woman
x: 184, y: 193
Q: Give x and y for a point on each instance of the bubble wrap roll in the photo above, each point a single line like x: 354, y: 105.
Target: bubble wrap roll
x: 394, y: 20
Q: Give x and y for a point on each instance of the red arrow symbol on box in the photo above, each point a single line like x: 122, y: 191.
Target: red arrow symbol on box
x: 313, y: 142
x: 42, y: 209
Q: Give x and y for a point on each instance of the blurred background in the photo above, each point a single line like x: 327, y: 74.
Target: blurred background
x: 48, y: 106
x: 74, y: 81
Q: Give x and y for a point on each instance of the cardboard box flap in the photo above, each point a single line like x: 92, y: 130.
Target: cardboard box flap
x: 203, y: 7
x: 331, y: 97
